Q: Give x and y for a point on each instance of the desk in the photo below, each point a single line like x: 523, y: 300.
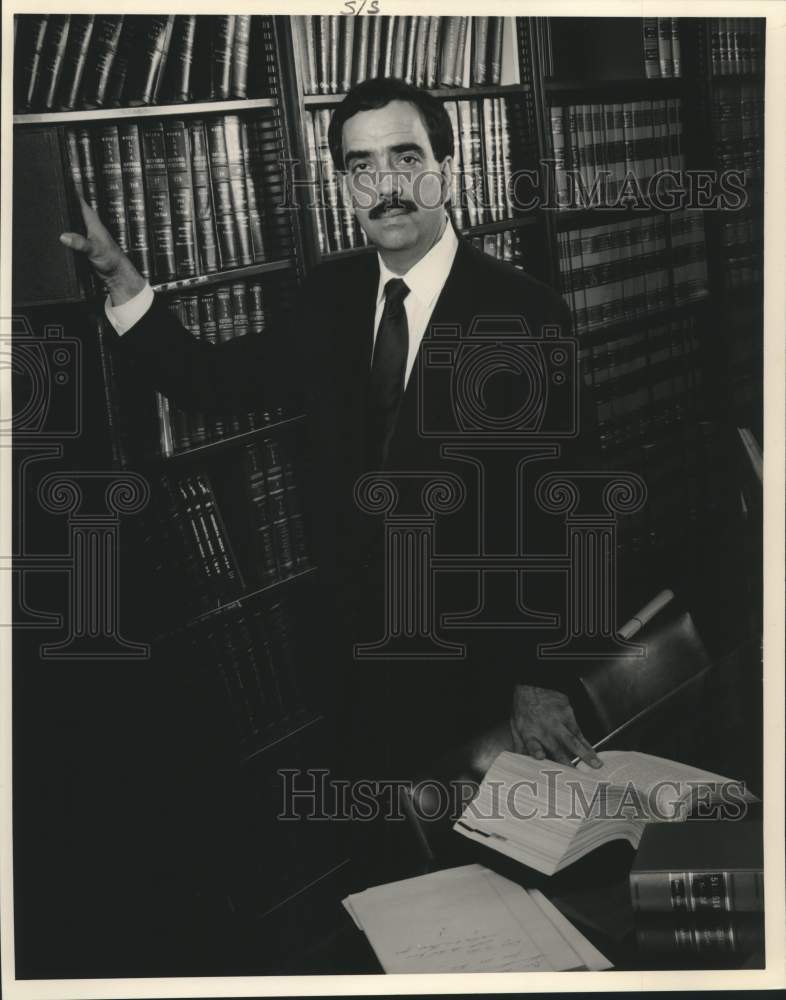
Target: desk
x: 715, y: 725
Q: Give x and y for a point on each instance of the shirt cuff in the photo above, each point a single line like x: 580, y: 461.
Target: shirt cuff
x: 123, y: 317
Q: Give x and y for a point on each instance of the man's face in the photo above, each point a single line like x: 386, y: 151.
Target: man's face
x: 397, y: 188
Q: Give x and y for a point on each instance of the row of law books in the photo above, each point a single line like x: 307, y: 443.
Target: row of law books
x: 662, y: 54
x: 194, y: 546
x: 184, y: 196
x: 340, y: 51
x: 504, y: 246
x: 606, y: 143
x: 645, y: 381
x: 69, y: 62
x: 737, y: 45
x: 738, y: 119
x: 253, y: 656
x: 212, y: 316
x: 563, y: 40
x: 619, y: 272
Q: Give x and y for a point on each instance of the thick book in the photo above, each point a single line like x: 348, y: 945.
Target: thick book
x: 237, y: 188
x: 110, y: 174
x: 240, y: 56
x: 650, y: 38
x: 75, y: 59
x: 255, y: 218
x: 147, y: 69
x: 705, y: 867
x: 111, y: 87
x: 207, y: 238
x: 548, y: 815
x: 28, y: 49
x: 181, y: 196
x: 52, y: 60
x: 221, y: 56
x: 176, y: 86
x: 226, y: 226
x: 708, y: 935
x: 157, y: 200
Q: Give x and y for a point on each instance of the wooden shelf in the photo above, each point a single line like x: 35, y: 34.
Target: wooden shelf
x: 211, y: 449
x: 443, y: 93
x: 219, y: 277
x: 144, y: 111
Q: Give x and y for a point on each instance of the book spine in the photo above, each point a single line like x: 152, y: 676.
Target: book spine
x: 28, y: 50
x: 347, y: 48
x: 87, y: 168
x: 650, y: 36
x: 420, y: 43
x: 197, y: 424
x: 274, y: 480
x: 120, y: 35
x: 255, y: 221
x: 72, y: 159
x: 335, y: 42
x: 461, y: 52
x: 221, y: 60
x: 261, y: 528
x: 237, y: 188
x: 316, y: 175
x: 665, y: 62
x: 240, y: 55
x: 391, y: 27
x: 507, y: 161
x: 207, y: 240
x: 256, y: 309
x: 75, y: 59
x: 297, y: 528
x: 53, y: 58
x: 181, y: 58
x: 222, y: 196
x: 157, y: 200
x: 361, y: 53
x: 111, y: 184
x: 311, y: 54
x: 432, y: 52
x: 480, y: 40
x: 181, y: 196
x: 322, y: 33
x: 697, y: 892
x: 558, y: 148
x: 400, y: 46
x: 496, y: 26
x: 208, y: 325
x: 676, y: 50
x: 148, y: 70
x: 468, y: 162
x: 409, y: 61
x: 457, y: 197
x: 375, y: 46
x: 490, y: 156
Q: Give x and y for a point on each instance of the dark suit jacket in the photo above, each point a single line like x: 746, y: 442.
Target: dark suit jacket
x: 321, y: 363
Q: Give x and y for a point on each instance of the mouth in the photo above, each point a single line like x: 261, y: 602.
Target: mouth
x: 394, y: 212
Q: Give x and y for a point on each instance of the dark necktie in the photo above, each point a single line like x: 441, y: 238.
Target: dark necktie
x: 388, y: 367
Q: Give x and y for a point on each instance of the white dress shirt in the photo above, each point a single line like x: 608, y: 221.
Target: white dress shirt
x: 425, y: 281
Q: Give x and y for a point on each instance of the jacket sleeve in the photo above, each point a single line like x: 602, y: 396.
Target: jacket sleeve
x: 272, y: 368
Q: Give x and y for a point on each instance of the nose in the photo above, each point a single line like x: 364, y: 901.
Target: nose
x: 389, y: 183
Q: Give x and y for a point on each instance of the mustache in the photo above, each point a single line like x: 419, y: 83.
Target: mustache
x: 385, y: 206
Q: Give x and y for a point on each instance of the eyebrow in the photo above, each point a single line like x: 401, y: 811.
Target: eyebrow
x: 400, y: 147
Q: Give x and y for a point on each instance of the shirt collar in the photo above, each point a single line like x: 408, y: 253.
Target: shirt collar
x: 426, y: 278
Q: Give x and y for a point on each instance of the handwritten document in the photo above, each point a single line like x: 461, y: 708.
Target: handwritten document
x: 468, y: 919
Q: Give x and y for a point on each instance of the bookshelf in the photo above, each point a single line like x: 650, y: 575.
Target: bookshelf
x: 667, y: 310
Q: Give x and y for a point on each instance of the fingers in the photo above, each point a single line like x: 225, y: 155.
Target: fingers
x: 91, y: 218
x: 76, y: 242
x: 583, y: 748
x: 534, y: 748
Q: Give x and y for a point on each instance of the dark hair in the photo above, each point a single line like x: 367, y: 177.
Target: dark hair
x: 373, y: 94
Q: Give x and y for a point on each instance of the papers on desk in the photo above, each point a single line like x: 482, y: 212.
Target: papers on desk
x: 468, y: 919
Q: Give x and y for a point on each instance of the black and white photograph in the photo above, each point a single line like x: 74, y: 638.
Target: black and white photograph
x: 392, y: 576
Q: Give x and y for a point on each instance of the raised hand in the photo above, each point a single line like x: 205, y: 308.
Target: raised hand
x: 105, y: 257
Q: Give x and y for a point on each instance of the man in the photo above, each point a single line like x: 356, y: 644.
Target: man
x: 353, y: 359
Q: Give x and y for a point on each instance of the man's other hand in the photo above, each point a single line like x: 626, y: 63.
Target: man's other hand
x: 105, y: 256
x: 543, y: 725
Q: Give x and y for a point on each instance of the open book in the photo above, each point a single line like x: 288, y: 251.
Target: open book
x: 548, y: 815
